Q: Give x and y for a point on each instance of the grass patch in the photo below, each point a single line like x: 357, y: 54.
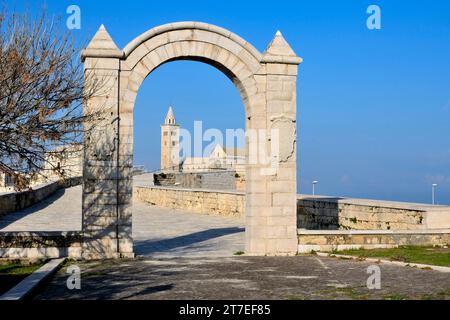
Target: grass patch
x: 395, y: 296
x: 11, y: 273
x: 410, y: 254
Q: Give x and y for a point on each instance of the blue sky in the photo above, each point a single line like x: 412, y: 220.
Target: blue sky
x: 373, y: 105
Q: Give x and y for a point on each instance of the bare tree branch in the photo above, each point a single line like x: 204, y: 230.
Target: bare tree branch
x: 42, y: 90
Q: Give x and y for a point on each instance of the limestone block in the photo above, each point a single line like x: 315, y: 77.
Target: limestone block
x: 104, y: 172
x: 98, y: 210
x: 281, y: 199
x: 171, y: 50
x: 142, y: 69
x: 286, y: 246
x: 276, y: 232
x: 243, y: 74
x: 136, y: 56
x: 282, y: 186
x: 126, y: 137
x: 259, y: 199
x: 112, y: 231
x: 101, y: 63
x: 205, y: 36
x: 254, y: 246
x: 98, y: 222
x: 185, y: 48
x: 157, y: 41
x: 152, y: 58
x: 125, y: 149
x: 136, y: 77
x: 208, y: 50
x: 282, y: 220
x: 238, y: 68
x: 252, y: 64
x: 181, y: 35
x: 223, y: 56
x: 126, y: 246
x: 100, y: 248
x: 229, y: 45
x: 231, y: 61
x: 280, y: 95
x: 277, y: 68
x: 162, y: 53
x: 199, y: 49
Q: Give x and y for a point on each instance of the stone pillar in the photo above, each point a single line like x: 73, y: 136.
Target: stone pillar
x: 271, y: 196
x: 106, y: 200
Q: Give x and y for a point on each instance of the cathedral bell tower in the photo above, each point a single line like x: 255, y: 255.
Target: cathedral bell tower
x: 170, y: 143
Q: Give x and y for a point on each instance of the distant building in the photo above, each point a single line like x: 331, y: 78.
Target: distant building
x: 64, y: 161
x: 13, y: 181
x: 170, y: 143
x: 7, y: 182
x: 219, y: 159
x: 67, y: 160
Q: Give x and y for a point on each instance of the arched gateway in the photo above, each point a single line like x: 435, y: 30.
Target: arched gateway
x: 267, y: 84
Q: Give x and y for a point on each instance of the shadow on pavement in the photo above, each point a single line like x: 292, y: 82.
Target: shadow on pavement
x: 12, y: 217
x: 148, y: 247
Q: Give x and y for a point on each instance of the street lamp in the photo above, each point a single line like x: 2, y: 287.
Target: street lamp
x: 433, y: 193
x: 314, y: 187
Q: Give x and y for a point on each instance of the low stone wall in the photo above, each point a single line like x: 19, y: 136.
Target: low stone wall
x: 315, y: 213
x: 211, y: 180
x: 330, y: 240
x: 40, y: 245
x: 195, y: 200
x: 15, y: 201
x: 410, y: 224
x: 331, y: 213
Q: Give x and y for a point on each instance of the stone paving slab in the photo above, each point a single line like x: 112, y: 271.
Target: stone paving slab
x: 299, y: 277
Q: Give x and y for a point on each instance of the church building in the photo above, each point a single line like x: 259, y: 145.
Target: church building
x: 170, y: 143
x: 220, y: 158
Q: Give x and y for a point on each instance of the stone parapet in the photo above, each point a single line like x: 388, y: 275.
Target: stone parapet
x: 213, y: 180
x: 331, y: 240
x: 226, y: 203
x: 40, y: 245
x: 331, y: 213
x: 15, y: 201
x: 313, y: 212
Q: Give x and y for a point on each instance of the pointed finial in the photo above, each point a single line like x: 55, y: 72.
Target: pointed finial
x: 279, y: 51
x: 102, y: 45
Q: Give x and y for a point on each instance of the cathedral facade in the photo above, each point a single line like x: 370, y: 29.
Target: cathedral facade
x: 220, y: 158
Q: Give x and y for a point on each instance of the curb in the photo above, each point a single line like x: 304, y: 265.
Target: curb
x: 27, y: 285
x: 397, y: 263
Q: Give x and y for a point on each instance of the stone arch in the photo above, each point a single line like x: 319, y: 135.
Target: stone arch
x: 233, y: 56
x: 266, y: 83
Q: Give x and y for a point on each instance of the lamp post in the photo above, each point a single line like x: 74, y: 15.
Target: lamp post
x: 433, y: 193
x: 314, y: 187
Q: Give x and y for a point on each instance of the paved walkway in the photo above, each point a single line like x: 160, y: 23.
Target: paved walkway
x: 163, y: 233
x: 157, y: 232
x: 59, y: 212
x: 299, y: 277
